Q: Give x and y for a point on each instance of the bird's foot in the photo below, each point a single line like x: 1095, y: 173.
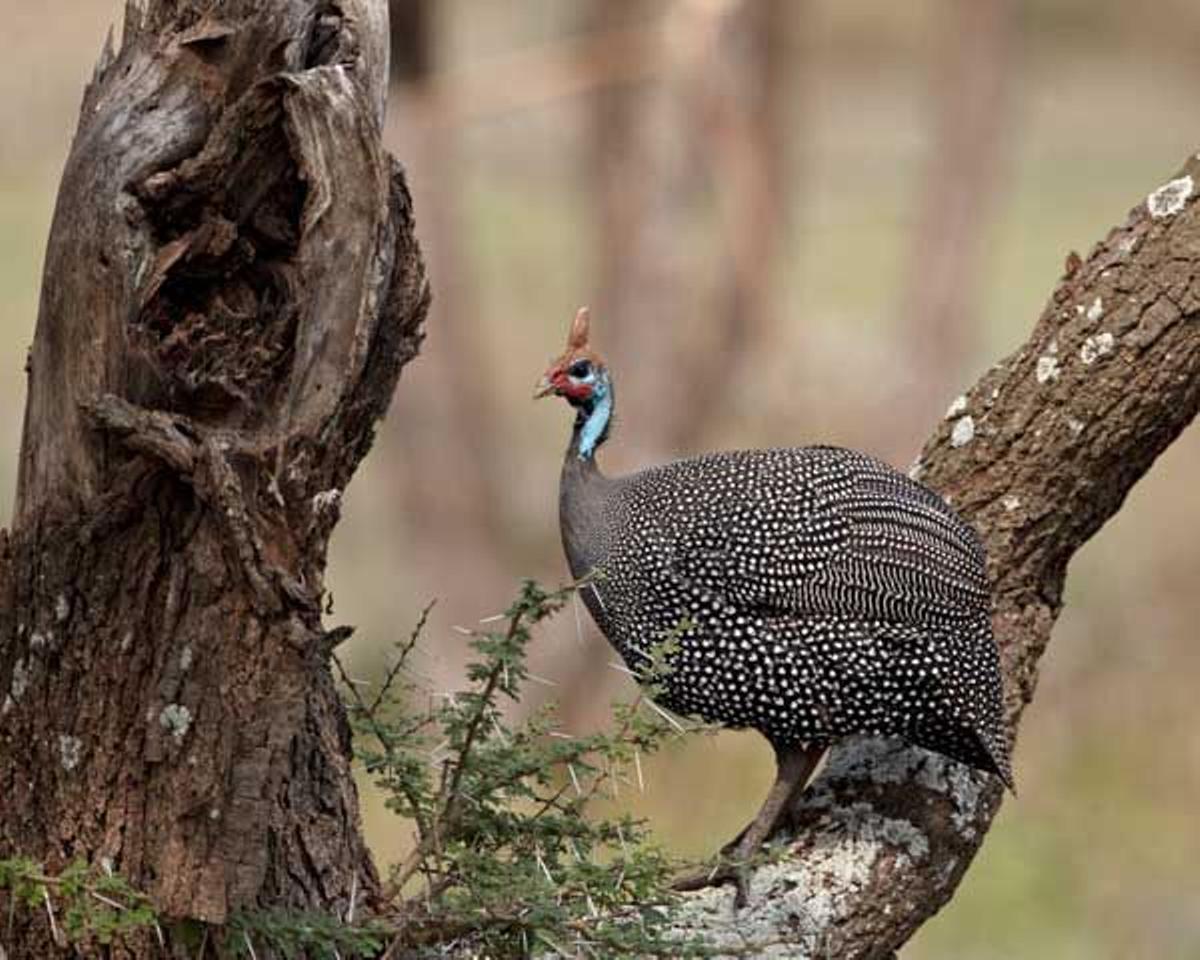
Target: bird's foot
x: 724, y: 871
x: 738, y: 858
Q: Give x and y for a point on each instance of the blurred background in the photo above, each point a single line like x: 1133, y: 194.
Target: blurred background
x: 796, y: 221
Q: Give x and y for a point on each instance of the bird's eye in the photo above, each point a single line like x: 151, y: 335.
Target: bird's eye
x: 579, y: 369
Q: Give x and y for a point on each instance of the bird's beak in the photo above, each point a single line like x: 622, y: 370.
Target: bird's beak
x: 544, y: 388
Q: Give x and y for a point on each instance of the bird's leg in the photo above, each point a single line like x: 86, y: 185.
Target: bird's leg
x: 794, y: 766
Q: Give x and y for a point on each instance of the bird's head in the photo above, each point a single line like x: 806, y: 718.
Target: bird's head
x: 579, y: 374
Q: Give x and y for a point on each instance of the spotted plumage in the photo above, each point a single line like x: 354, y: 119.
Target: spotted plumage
x: 813, y: 592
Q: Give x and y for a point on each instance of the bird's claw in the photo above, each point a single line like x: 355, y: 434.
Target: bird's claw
x: 724, y: 872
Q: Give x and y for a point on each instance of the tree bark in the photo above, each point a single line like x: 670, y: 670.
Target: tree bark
x: 1037, y: 455
x: 231, y: 288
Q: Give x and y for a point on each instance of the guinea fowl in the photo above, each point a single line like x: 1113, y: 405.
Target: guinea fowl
x: 812, y: 593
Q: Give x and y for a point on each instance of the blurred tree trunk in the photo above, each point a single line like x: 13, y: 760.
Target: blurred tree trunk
x: 971, y: 91
x: 231, y: 289
x: 645, y: 165
x: 745, y: 101
x: 411, y: 39
x: 715, y: 132
x: 452, y: 498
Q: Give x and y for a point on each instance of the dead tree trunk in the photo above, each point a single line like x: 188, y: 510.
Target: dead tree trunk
x: 231, y: 289
x: 1037, y: 455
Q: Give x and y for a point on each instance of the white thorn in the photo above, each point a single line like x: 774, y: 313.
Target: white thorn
x: 353, y: 895
x: 50, y: 913
x: 578, y: 619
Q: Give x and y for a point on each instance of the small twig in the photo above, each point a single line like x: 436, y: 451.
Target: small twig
x: 402, y: 655
x: 452, y: 774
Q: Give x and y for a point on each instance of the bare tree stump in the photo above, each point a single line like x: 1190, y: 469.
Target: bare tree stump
x: 231, y: 288
x: 1037, y: 455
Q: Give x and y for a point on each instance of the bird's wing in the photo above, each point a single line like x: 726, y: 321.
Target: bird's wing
x: 822, y: 531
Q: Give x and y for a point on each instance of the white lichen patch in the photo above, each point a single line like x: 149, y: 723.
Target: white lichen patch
x: 1170, y: 198
x: 62, y: 608
x: 70, y: 751
x: 1011, y: 503
x: 1047, y: 367
x: 185, y: 659
x: 809, y: 897
x: 38, y: 641
x: 957, y: 781
x: 326, y: 500
x: 1128, y: 244
x: 894, y: 832
x: 1096, y: 310
x: 176, y: 719
x: 20, y: 681
x: 1075, y: 426
x: 797, y: 906
x: 957, y: 407
x: 963, y: 431
x: 1096, y: 346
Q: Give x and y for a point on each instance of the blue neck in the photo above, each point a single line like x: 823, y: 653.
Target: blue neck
x: 595, y: 418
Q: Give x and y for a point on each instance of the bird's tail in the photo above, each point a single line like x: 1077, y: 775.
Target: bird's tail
x: 995, y: 746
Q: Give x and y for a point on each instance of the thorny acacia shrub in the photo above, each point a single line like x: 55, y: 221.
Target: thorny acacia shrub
x: 509, y: 859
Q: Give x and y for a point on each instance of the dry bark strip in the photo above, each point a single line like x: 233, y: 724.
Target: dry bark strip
x: 231, y: 288
x: 1038, y: 455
